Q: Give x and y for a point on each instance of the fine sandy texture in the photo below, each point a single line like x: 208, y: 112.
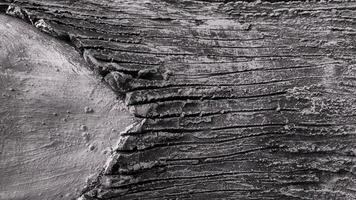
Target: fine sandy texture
x: 57, y: 120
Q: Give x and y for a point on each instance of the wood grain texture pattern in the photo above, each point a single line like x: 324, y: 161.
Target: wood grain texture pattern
x: 238, y: 100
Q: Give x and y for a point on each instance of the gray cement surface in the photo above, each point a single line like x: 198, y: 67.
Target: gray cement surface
x: 58, y: 122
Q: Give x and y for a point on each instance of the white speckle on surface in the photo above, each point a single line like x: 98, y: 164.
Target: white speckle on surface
x: 83, y: 128
x: 86, y: 136
x: 88, y: 109
x: 105, y: 151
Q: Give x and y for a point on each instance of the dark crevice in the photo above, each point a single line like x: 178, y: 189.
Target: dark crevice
x: 174, y: 144
x: 202, y: 97
x: 185, y: 130
x: 206, y: 114
x: 3, y: 7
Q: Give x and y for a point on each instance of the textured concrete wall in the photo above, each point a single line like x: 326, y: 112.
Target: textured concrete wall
x: 235, y: 100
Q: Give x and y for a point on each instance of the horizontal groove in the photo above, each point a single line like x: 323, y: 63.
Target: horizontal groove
x: 184, y: 85
x: 174, y: 98
x: 207, y: 114
x: 101, y: 59
x: 182, y: 130
x: 184, y: 178
x: 260, y: 70
x: 187, y: 85
x: 175, y: 144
